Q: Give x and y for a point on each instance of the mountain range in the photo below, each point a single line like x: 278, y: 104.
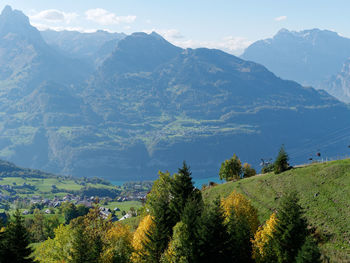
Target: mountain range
x: 146, y: 105
x: 92, y: 47
x: 311, y: 57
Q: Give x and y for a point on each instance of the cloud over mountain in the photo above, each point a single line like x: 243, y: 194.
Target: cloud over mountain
x: 104, y: 17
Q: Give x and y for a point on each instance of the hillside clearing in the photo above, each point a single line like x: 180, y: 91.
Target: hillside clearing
x: 324, y: 192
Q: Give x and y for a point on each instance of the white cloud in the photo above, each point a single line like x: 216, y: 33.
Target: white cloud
x: 235, y: 43
x: 280, y: 18
x: 104, y: 17
x: 53, y: 15
x: 230, y: 44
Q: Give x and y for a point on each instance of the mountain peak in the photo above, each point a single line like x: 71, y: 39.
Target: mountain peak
x: 283, y: 31
x: 12, y: 15
x: 7, y: 10
x: 141, y: 52
x: 17, y: 23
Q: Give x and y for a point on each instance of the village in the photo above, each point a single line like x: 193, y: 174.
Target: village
x: 115, y: 207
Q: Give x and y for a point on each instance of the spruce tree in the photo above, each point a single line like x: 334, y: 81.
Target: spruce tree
x: 16, y: 242
x: 191, y: 219
x: 181, y: 190
x: 161, y: 230
x: 309, y: 252
x: 213, y: 236
x: 239, y: 247
x: 2, y: 247
x: 281, y: 163
x: 291, y: 229
x: 81, y: 247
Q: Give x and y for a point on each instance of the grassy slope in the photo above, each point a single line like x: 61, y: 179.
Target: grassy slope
x: 44, y: 185
x: 324, y: 191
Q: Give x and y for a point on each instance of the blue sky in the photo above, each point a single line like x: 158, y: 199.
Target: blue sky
x: 230, y: 25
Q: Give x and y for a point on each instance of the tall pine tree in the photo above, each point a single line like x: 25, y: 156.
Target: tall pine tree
x: 16, y: 242
x: 181, y: 190
x: 309, y: 252
x: 160, y: 233
x: 81, y: 246
x: 213, y: 236
x: 291, y: 229
x: 239, y: 247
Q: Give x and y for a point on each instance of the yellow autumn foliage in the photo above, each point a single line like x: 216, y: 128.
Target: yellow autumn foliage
x: 140, y: 238
x: 118, y: 239
x: 242, y: 208
x: 263, y: 236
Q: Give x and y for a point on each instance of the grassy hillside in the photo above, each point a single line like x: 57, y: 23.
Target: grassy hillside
x: 16, y: 181
x: 324, y: 192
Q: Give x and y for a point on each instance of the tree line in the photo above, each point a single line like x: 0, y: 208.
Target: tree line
x: 177, y: 225
x: 232, y: 169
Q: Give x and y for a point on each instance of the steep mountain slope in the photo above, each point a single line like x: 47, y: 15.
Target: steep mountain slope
x: 27, y: 60
x: 339, y: 84
x: 324, y: 192
x: 308, y: 57
x: 37, y: 90
x: 151, y: 105
x: 203, y: 105
x: 93, y: 47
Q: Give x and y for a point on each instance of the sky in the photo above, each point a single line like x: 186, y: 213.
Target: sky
x: 230, y: 25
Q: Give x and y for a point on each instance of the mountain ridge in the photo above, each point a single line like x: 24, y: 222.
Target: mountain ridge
x: 150, y: 105
x: 310, y: 57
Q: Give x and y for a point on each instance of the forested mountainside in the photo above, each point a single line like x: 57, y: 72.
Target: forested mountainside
x: 150, y: 105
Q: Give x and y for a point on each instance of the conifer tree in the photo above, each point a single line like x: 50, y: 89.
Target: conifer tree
x: 161, y: 230
x: 2, y: 246
x: 81, y: 246
x: 239, y: 246
x: 179, y: 249
x: 213, y: 236
x: 291, y: 229
x: 16, y: 242
x: 309, y: 252
x: 181, y: 190
x: 281, y: 163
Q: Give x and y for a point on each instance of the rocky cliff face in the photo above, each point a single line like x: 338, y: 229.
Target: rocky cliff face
x: 339, y: 84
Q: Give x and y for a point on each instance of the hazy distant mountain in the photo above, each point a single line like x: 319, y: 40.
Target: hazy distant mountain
x: 309, y: 57
x: 202, y: 105
x: 339, y: 84
x: 27, y: 60
x: 94, y: 46
x: 151, y: 105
